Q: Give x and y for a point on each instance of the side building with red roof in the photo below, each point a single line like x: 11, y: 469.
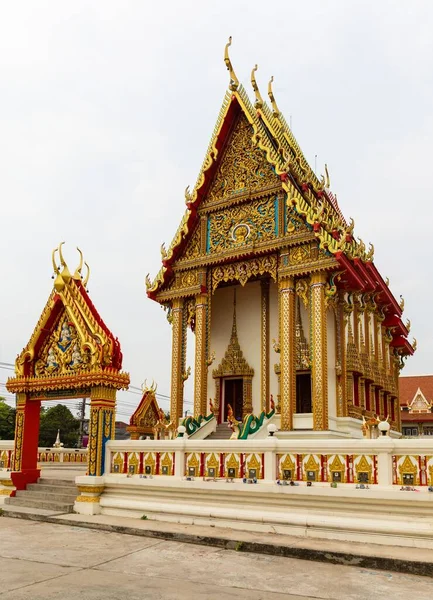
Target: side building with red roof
x: 416, y: 405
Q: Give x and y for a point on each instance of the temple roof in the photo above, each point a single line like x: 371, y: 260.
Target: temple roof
x: 310, y: 197
x: 410, y: 386
x: 71, y: 346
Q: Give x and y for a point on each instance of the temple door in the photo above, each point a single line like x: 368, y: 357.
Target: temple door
x: 233, y: 395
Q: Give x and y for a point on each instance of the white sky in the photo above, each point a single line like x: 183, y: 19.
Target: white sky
x: 107, y: 108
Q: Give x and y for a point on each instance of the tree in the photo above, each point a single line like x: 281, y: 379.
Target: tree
x: 7, y: 420
x: 58, y: 417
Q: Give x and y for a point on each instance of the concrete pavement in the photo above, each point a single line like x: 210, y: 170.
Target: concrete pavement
x: 50, y: 561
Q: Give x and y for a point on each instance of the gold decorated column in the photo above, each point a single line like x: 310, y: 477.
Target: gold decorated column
x: 176, y: 397
x: 318, y: 329
x: 264, y: 316
x: 102, y: 425
x: 200, y: 375
x: 287, y: 352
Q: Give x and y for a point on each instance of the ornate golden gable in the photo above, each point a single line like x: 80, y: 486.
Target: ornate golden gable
x: 193, y: 248
x: 146, y: 415
x: 70, y: 348
x: 243, y: 168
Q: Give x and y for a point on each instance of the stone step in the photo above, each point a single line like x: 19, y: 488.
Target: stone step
x: 60, y: 507
x: 52, y: 489
x: 57, y: 482
x: 12, y: 510
x: 66, y: 498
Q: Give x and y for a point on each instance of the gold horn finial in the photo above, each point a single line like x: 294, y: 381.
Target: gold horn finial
x: 59, y: 283
x: 53, y: 258
x: 234, y: 81
x: 259, y: 100
x: 327, y: 178
x: 77, y: 274
x: 276, y: 111
x: 86, y: 279
x: 66, y: 275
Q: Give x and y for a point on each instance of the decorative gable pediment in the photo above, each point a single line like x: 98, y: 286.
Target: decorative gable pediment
x: 419, y: 403
x: 71, y: 347
x: 243, y: 168
x: 146, y: 415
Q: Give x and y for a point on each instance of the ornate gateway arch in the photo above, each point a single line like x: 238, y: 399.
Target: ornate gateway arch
x: 71, y: 354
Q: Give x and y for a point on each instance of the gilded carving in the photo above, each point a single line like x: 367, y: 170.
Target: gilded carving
x: 243, y: 168
x: 242, y: 225
x: 244, y: 270
x: 193, y: 248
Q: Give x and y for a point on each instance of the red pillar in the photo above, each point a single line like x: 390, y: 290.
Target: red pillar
x: 26, y: 444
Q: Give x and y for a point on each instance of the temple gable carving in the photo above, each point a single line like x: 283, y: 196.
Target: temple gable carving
x: 243, y: 168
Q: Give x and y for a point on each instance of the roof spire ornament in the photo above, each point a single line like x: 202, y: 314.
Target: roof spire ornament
x: 327, y: 178
x: 234, y: 81
x: 276, y: 110
x: 66, y: 275
x: 86, y: 279
x: 259, y: 100
x: 77, y: 274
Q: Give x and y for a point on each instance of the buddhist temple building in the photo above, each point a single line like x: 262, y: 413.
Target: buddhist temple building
x: 416, y: 402
x: 284, y: 299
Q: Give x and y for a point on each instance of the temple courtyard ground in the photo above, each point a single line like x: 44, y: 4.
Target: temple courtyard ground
x: 52, y: 561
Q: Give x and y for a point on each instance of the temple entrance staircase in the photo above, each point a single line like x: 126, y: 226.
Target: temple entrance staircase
x: 222, y: 432
x: 54, y: 495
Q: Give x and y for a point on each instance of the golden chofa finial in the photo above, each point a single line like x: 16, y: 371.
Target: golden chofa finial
x: 59, y: 283
x: 327, y: 178
x: 234, y: 81
x: 77, y: 274
x: 401, y: 303
x: 276, y: 110
x: 66, y: 275
x: 86, y: 278
x: 259, y: 100
x: 414, y: 344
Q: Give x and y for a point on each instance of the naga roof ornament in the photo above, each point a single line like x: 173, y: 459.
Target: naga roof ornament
x: 276, y: 112
x: 234, y: 81
x: 259, y: 100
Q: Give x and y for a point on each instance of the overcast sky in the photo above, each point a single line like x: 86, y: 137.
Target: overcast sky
x: 107, y: 108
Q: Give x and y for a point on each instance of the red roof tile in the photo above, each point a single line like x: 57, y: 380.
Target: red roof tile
x: 409, y: 386
x: 416, y: 417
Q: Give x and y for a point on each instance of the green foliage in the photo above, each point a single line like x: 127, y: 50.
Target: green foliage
x: 1, y: 512
x: 58, y: 417
x: 239, y: 546
x: 144, y: 518
x: 7, y: 421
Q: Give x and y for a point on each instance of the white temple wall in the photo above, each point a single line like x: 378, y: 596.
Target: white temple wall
x: 274, y: 334
x: 332, y: 384
x: 248, y: 300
